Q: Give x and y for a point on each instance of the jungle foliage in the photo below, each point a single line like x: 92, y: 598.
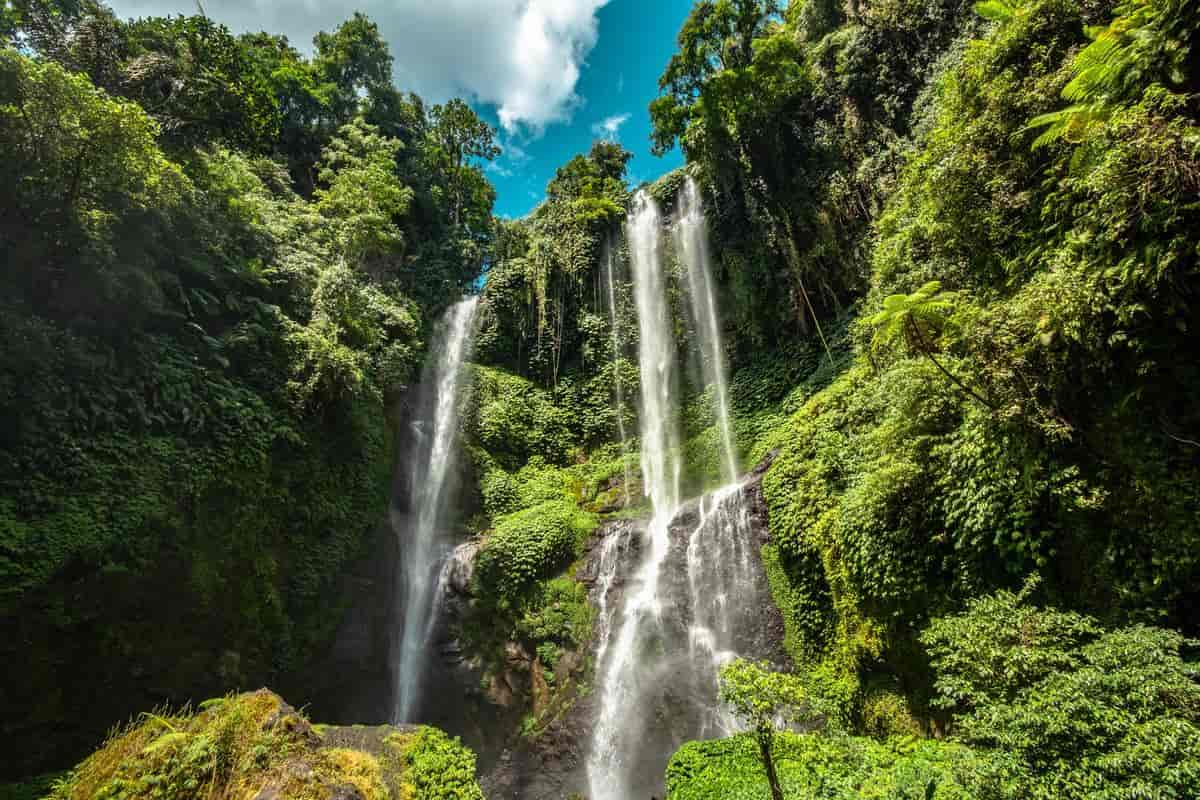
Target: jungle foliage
x: 220, y: 261
x: 957, y: 260
x: 1010, y: 397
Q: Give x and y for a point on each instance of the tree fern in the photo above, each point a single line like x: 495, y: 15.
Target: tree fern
x: 1148, y: 42
x: 917, y: 320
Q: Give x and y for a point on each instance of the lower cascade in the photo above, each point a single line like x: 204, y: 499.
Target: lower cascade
x: 660, y: 657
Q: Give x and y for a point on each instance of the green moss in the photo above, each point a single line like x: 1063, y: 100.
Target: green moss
x: 241, y: 745
x: 530, y: 545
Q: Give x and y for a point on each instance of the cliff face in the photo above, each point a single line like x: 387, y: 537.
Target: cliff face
x: 552, y: 764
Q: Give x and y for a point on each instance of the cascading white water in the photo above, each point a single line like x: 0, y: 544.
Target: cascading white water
x: 422, y: 545
x: 607, y: 570
x: 696, y: 598
x: 723, y: 587
x: 691, y: 240
x: 618, y: 351
x: 615, y: 737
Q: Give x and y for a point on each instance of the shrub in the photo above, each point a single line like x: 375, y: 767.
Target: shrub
x: 829, y: 768
x: 528, y: 545
x: 513, y: 419
x: 438, y: 767
x: 1080, y: 711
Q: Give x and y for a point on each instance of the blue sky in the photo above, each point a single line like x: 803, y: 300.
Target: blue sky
x: 551, y: 75
x: 617, y: 82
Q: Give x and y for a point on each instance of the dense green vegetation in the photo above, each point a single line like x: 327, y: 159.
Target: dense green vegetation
x: 838, y: 768
x: 1045, y: 703
x: 220, y: 262
x: 254, y: 745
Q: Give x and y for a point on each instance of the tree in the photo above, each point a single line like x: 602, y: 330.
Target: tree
x: 1082, y: 712
x: 82, y: 166
x: 718, y: 36
x: 763, y: 698
x: 462, y: 137
x: 361, y: 194
x: 200, y: 82
x: 354, y: 61
x: 918, y: 319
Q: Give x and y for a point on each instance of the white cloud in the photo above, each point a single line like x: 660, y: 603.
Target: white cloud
x: 609, y: 127
x: 515, y: 153
x: 522, y: 56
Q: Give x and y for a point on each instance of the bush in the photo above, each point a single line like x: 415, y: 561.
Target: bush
x: 531, y: 544
x: 557, y: 614
x: 438, y: 767
x: 514, y: 420
x: 1081, y: 712
x: 829, y: 768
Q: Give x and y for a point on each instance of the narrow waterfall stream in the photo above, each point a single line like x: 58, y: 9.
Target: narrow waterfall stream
x: 691, y: 237
x: 423, y: 544
x: 623, y: 677
x: 618, y: 351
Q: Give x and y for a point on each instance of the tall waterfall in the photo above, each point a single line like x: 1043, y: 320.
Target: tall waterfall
x: 618, y: 351
x: 423, y: 544
x: 624, y: 679
x: 696, y: 598
x: 691, y: 239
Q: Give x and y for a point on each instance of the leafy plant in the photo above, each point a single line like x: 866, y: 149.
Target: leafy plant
x: 763, y: 698
x: 1084, y: 712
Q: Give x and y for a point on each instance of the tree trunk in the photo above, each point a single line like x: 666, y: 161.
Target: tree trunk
x: 764, y: 751
x: 927, y: 349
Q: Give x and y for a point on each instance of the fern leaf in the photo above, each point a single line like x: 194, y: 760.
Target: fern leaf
x: 995, y: 10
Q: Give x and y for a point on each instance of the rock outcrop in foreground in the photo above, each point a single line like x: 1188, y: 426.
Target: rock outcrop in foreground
x: 256, y: 746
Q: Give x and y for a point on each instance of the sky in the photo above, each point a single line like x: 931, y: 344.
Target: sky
x: 550, y: 75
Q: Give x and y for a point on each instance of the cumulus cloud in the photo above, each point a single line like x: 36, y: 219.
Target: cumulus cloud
x: 609, y: 127
x: 515, y: 153
x: 522, y: 56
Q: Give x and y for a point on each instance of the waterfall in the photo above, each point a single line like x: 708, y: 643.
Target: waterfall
x: 612, y: 551
x: 722, y: 582
x: 623, y: 680
x: 618, y: 350
x: 695, y: 600
x: 423, y: 543
x: 691, y: 241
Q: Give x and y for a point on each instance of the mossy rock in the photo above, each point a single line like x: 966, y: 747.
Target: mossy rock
x: 255, y: 746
